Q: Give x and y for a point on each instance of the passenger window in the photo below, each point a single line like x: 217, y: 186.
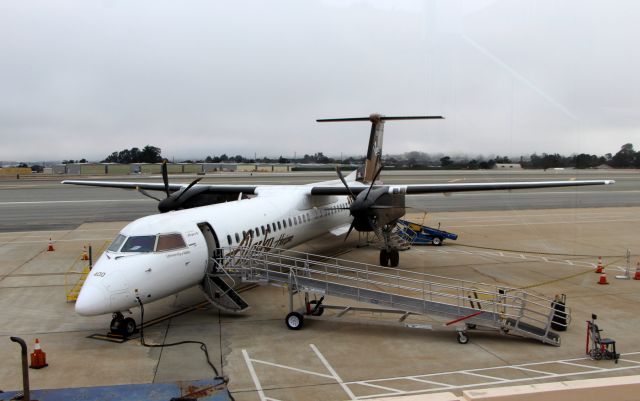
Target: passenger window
x: 257, y: 232
x: 279, y: 226
x: 237, y: 238
x: 284, y: 223
x: 262, y: 228
x: 143, y: 243
x: 290, y: 224
x: 115, y: 245
x: 167, y: 242
x: 229, y: 239
x: 274, y: 227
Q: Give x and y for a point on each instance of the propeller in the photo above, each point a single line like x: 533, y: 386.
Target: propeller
x: 359, y: 204
x: 171, y: 202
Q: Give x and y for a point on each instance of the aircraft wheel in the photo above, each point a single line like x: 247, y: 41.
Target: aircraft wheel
x: 437, y: 241
x: 394, y: 258
x: 116, y: 324
x: 384, y: 257
x: 128, y: 327
x: 294, y: 321
x: 463, y: 338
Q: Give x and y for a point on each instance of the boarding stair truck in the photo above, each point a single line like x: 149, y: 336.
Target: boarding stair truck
x: 465, y: 305
x: 418, y: 234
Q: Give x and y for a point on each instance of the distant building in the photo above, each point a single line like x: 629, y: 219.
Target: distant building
x: 507, y: 166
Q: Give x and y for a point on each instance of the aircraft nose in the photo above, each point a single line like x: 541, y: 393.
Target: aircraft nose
x: 93, y: 300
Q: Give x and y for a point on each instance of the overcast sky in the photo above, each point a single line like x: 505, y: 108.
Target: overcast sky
x: 81, y: 79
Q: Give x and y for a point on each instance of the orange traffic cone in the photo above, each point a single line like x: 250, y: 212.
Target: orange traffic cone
x: 38, y: 357
x: 637, y: 275
x: 603, y: 278
x: 599, y: 269
x: 85, y: 255
x: 50, y: 248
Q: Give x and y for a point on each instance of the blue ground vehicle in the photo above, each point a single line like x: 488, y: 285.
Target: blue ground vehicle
x: 418, y: 234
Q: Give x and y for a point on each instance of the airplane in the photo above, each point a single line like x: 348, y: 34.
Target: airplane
x: 162, y: 254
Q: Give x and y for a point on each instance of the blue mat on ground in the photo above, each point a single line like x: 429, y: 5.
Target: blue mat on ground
x: 201, y: 390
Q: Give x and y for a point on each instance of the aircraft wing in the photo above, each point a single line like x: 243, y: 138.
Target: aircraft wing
x: 150, y: 186
x: 458, y: 187
x: 341, y: 190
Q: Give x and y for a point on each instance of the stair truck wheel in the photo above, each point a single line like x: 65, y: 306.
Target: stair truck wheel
x: 384, y: 257
x: 294, y: 321
x: 437, y: 241
x: 394, y: 258
x: 463, y: 338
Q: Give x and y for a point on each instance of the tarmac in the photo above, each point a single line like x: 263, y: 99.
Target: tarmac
x: 358, y: 356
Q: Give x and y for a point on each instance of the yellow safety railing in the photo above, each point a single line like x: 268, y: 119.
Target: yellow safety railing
x: 74, y: 271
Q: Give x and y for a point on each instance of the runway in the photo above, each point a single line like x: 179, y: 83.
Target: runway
x: 45, y: 204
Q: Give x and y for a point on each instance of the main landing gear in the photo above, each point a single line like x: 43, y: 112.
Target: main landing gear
x: 122, y: 326
x: 389, y: 257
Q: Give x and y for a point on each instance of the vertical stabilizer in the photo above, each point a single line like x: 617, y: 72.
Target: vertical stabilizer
x: 374, y: 150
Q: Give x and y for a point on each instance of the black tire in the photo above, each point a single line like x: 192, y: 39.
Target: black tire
x: 384, y: 257
x: 294, y: 321
x: 394, y: 258
x: 437, y: 241
x: 128, y: 327
x: 115, y: 325
x: 463, y: 338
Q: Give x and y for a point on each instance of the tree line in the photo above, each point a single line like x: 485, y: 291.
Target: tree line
x: 626, y: 157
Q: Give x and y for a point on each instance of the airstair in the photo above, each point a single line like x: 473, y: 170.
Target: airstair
x: 466, y: 303
x: 218, y: 286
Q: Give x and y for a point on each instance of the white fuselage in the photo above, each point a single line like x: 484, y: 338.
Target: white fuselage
x: 159, y: 255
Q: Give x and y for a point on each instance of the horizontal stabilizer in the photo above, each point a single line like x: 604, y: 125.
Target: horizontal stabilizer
x: 379, y: 118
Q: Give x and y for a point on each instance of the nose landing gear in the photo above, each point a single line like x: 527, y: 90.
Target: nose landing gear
x: 122, y: 326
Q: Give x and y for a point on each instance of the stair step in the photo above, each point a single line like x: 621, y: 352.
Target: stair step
x: 221, y: 295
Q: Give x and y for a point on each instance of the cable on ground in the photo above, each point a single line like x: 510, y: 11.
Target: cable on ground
x: 203, y: 347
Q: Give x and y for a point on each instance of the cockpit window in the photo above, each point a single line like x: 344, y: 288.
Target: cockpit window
x: 167, y: 242
x: 143, y: 243
x: 115, y: 245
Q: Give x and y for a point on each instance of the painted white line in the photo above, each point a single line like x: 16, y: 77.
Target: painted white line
x: 333, y: 372
x: 254, y: 376
x: 443, y: 385
x: 380, y: 387
x: 485, y: 376
x: 277, y: 365
x: 73, y: 201
x: 581, y: 365
x: 544, y: 223
x: 541, y: 372
x: 55, y: 241
x: 521, y: 256
x: 510, y: 381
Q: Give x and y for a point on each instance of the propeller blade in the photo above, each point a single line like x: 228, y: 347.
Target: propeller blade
x: 348, y: 232
x: 194, y: 182
x: 148, y: 195
x: 344, y: 182
x: 375, y: 177
x: 165, y: 177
